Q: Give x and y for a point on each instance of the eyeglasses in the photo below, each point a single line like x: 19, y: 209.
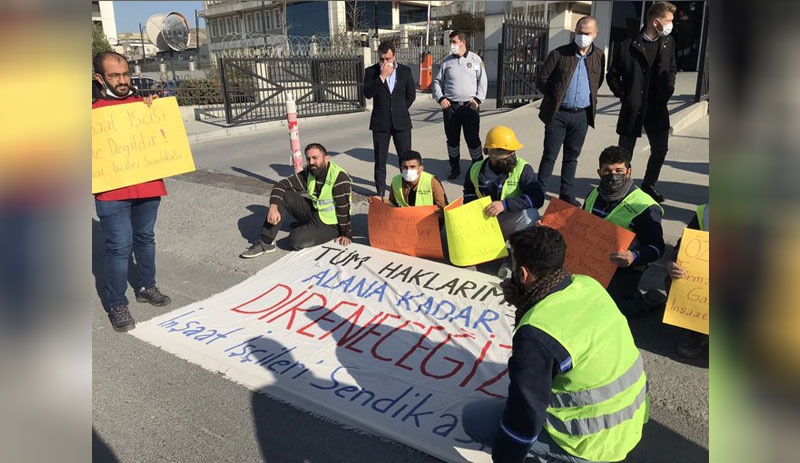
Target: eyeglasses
x: 116, y: 76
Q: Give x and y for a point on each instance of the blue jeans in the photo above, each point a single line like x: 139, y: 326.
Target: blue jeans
x: 481, y: 421
x: 128, y: 226
x: 568, y: 129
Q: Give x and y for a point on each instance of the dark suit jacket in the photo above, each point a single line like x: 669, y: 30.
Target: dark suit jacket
x: 390, y: 111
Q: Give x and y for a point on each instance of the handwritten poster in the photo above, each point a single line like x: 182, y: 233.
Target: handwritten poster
x: 687, y: 305
x: 390, y: 343
x: 589, y: 239
x: 133, y: 143
x: 413, y: 231
x: 472, y: 237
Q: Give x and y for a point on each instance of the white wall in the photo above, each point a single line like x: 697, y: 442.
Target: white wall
x: 109, y: 22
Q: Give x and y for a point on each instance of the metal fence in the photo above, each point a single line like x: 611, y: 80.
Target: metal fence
x: 255, y: 89
x: 522, y: 53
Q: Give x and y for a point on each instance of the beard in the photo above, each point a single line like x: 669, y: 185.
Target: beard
x: 119, y: 90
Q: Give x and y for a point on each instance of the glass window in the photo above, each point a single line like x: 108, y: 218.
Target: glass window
x: 228, y: 28
x: 269, y: 21
x: 308, y: 18
x: 413, y: 13
x: 258, y: 21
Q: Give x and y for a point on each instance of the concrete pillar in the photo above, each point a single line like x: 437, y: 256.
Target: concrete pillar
x: 602, y: 11
x: 493, y: 30
x: 366, y: 57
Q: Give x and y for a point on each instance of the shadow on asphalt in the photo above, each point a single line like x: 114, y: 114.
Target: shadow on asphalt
x: 661, y: 444
x: 250, y: 225
x: 101, y: 452
x: 697, y: 167
x: 275, y: 435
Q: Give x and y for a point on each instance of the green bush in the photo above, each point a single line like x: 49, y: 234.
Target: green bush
x: 206, y: 91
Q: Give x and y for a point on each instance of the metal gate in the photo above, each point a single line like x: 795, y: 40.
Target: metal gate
x: 522, y: 53
x: 255, y: 89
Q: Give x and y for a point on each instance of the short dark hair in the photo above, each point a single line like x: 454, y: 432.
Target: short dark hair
x: 615, y: 155
x: 385, y: 46
x: 538, y: 248
x: 660, y: 9
x: 410, y: 155
x: 99, y: 59
x: 587, y: 19
x: 317, y: 146
x: 462, y: 36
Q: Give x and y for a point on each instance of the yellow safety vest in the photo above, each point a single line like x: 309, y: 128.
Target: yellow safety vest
x: 703, y: 217
x: 324, y: 202
x: 511, y: 185
x: 628, y: 209
x: 424, y: 191
x: 597, y: 408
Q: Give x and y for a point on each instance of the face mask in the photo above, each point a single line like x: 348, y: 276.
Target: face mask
x: 510, y: 163
x: 583, y: 41
x: 410, y: 175
x: 613, y: 182
x: 666, y: 29
x: 454, y: 49
x: 111, y: 93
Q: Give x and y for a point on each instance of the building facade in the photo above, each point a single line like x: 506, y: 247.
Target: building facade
x: 103, y: 16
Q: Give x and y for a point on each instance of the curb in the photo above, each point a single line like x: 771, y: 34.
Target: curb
x: 689, y: 116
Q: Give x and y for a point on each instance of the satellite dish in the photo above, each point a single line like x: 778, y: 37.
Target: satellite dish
x: 153, y: 28
x: 175, y: 31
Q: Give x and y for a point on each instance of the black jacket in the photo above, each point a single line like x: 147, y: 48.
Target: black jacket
x: 628, y: 77
x: 557, y: 73
x: 390, y: 111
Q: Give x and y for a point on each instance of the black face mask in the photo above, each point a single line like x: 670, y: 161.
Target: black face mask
x: 613, y: 182
x: 506, y: 165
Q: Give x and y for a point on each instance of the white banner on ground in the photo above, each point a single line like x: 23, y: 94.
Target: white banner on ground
x: 387, y: 342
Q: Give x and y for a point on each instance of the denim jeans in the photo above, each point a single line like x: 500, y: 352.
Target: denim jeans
x: 481, y: 421
x: 568, y: 129
x: 128, y: 226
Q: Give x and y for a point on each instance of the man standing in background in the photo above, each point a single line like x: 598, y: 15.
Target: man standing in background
x: 392, y: 89
x: 460, y: 87
x: 569, y: 80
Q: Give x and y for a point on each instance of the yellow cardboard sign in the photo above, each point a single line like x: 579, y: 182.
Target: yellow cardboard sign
x: 687, y: 305
x: 472, y: 237
x: 135, y: 143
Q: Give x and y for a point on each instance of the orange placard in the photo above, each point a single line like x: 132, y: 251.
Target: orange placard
x: 413, y: 231
x: 589, y: 239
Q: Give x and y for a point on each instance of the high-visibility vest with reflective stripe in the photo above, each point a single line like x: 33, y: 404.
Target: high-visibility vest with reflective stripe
x: 510, y: 186
x: 702, y: 217
x: 424, y: 191
x: 324, y: 203
x: 597, y: 408
x: 628, y: 209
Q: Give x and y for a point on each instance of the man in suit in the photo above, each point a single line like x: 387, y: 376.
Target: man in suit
x: 393, y: 90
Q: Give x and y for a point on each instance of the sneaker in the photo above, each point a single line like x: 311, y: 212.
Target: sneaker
x: 454, y: 173
x: 571, y: 200
x: 650, y: 190
x: 153, y: 296
x: 257, y: 249
x: 121, y: 318
x: 692, y: 345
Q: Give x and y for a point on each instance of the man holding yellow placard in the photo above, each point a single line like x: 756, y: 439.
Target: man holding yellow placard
x: 694, y: 342
x: 508, y: 180
x: 127, y: 214
x: 622, y: 203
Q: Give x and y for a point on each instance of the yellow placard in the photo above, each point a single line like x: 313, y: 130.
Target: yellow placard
x: 472, y: 237
x: 687, y: 305
x: 135, y: 143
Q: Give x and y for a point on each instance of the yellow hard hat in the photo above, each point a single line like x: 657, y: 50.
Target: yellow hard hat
x: 502, y: 137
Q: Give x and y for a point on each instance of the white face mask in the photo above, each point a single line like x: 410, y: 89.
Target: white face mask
x: 410, y: 175
x: 583, y: 41
x: 454, y: 49
x: 666, y: 29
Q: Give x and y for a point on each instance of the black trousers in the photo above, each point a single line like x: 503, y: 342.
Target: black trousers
x: 311, y: 231
x: 658, y: 152
x: 380, y: 143
x: 457, y: 118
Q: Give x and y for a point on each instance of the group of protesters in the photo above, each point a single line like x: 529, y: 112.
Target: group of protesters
x: 578, y: 389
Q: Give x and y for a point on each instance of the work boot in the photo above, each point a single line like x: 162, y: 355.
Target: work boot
x: 153, y: 296
x: 121, y: 318
x: 454, y: 173
x: 692, y: 345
